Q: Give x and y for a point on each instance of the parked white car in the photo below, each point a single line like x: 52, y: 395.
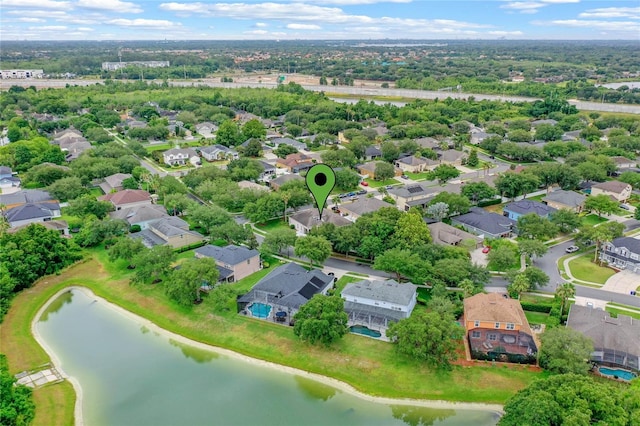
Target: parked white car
x: 572, y: 249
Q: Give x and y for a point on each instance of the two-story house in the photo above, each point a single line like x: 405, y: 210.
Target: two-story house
x: 180, y: 156
x: 29, y: 206
x: 376, y: 303
x: 8, y: 182
x: 622, y: 253
x: 617, y: 190
x: 562, y: 199
x: 234, y: 262
x: 497, y: 329
x: 295, y: 163
x: 412, y: 195
x: 171, y: 231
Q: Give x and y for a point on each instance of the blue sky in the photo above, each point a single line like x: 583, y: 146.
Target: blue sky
x: 318, y: 19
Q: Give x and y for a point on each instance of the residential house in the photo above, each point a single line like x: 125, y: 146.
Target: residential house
x: 562, y: 199
x: 447, y: 235
x: 497, y: 329
x: 206, y: 129
x: 268, y: 172
x: 451, y: 156
x: 75, y: 149
x: 411, y: 195
x: 616, y: 341
x: 361, y: 206
x: 284, y: 290
x: 276, y: 183
x: 171, y: 231
x: 127, y: 198
x: 180, y: 156
x: 413, y: 164
x: 135, y: 124
x: 376, y: 303
x: 59, y: 226
x: 25, y: 196
x: 428, y: 142
x: 8, y: 182
x: 288, y: 141
x: 485, y: 224
x: 245, y: 184
x: 295, y: 163
x: 624, y: 162
x: 113, y: 183
x: 234, y: 262
x: 520, y: 208
x: 622, y: 253
x: 617, y: 190
x: 303, y: 221
x: 372, y: 153
x: 478, y: 137
x: 218, y: 152
x: 369, y: 169
x: 25, y: 214
x: 140, y: 215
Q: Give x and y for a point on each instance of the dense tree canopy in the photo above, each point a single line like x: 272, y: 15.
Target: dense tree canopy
x: 321, y: 320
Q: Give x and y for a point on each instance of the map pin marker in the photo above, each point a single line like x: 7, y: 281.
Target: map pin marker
x: 320, y: 180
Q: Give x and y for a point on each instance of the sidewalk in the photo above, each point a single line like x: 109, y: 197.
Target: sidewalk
x: 567, y: 271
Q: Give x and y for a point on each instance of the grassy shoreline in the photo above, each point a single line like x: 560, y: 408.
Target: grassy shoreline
x: 370, y: 366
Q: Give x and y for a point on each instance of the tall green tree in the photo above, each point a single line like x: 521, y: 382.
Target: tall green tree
x: 519, y: 285
x: 566, y: 220
x: 403, y: 263
x: 253, y: 129
x: 127, y: 249
x: 277, y: 240
x: 445, y: 172
x: 564, y: 292
x: 411, y: 230
x: 477, y: 191
x: 565, y: 350
x: 383, y: 171
x: 566, y: 399
x: 315, y: 248
x: 184, y: 283
x: 153, y: 263
x: 431, y: 337
x: 16, y: 401
x: 600, y: 204
x: 321, y: 320
x: 536, y: 227
x: 532, y: 248
x: 228, y: 134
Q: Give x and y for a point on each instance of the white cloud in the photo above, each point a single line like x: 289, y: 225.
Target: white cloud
x: 357, y: 2
x: 30, y: 20
x: 505, y: 33
x: 629, y: 27
x: 84, y: 29
x: 612, y: 12
x: 143, y: 23
x: 111, y: 5
x: 49, y: 28
x: 531, y: 7
x: 38, y: 4
x: 260, y: 25
x: 303, y: 27
x: 257, y: 32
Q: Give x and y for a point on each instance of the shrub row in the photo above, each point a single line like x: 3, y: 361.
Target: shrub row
x: 486, y: 203
x: 536, y: 308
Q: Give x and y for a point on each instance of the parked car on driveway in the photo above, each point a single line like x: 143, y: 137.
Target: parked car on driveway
x: 486, y: 249
x: 364, y: 183
x: 624, y: 206
x: 572, y: 249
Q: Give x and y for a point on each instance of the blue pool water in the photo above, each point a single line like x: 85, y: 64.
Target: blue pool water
x: 621, y: 374
x: 361, y: 329
x: 260, y: 310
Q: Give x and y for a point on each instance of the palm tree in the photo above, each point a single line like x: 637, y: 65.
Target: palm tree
x: 520, y: 284
x: 468, y: 287
x: 285, y: 196
x: 564, y: 293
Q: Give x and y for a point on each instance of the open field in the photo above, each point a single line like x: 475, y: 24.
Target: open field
x: 370, y: 366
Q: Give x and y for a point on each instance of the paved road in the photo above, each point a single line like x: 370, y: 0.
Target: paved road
x: 343, y: 90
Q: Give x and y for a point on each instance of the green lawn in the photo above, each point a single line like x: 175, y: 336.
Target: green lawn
x: 615, y: 312
x: 537, y: 197
x: 537, y: 317
x: 272, y: 225
x: 419, y: 176
x: 585, y: 270
x: 378, y: 183
x: 593, y: 219
x: 158, y: 147
x: 344, y: 280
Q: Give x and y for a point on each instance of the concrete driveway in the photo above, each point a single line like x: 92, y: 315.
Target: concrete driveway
x: 479, y: 258
x: 623, y: 282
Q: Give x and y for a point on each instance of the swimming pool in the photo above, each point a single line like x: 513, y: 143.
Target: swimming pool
x: 614, y: 372
x: 260, y: 310
x: 365, y: 331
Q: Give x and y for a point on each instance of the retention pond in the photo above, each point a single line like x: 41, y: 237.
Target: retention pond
x: 132, y: 375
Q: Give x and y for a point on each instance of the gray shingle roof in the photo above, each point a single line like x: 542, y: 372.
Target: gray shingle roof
x: 612, y: 186
x: 411, y: 190
x: 384, y: 291
x: 364, y: 205
x: 568, y: 198
x: 489, y: 222
x: 529, y: 206
x: 288, y: 141
x: 633, y: 244
x: 288, y: 285
x: 230, y: 255
x: 372, y: 150
x: 31, y: 211
x: 170, y: 226
x: 25, y: 196
x: 310, y: 218
x: 140, y: 214
x: 621, y: 334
